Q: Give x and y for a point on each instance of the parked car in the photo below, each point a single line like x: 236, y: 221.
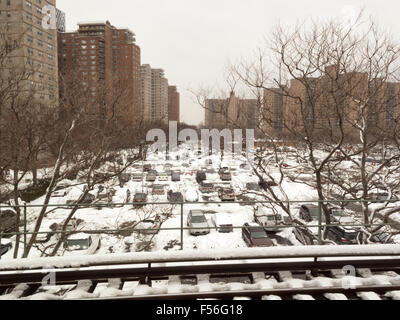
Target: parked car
x: 211, y: 171
x: 341, y: 236
x: 310, y: 212
x: 206, y: 187
x: 137, y: 177
x: 380, y: 197
x: 139, y: 197
x: 226, y: 194
x: 149, y: 226
x: 88, y: 199
x: 226, y: 176
x: 175, y: 197
x: 223, y: 222
x: 268, y: 219
x: 197, y: 223
x: 200, y: 176
x: 255, y: 236
x: 8, y: 220
x: 252, y: 186
x: 191, y: 195
x: 147, y: 167
x: 176, y: 176
x: 5, y: 246
x: 163, y: 177
x: 78, y: 241
x: 222, y: 170
x: 59, y: 192
x: 151, y: 177
x: 158, y: 189
x: 382, y: 236
x: 265, y: 184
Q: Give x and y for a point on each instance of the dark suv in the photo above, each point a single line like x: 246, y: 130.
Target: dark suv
x: 255, y: 236
x: 341, y: 236
x: 310, y: 212
x: 200, y: 176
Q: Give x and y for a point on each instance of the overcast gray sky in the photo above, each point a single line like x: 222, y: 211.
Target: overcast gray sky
x: 193, y: 39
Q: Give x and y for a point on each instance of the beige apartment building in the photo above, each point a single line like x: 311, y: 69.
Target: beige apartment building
x: 154, y: 94
x: 31, y: 47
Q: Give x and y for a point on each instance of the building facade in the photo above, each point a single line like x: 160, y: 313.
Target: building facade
x: 173, y: 104
x: 105, y: 61
x: 231, y: 113
x: 154, y: 94
x: 31, y: 47
x: 331, y: 103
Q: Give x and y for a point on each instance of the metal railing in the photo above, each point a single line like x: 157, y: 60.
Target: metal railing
x: 321, y: 224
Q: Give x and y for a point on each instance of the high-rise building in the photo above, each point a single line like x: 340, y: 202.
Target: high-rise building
x: 331, y: 103
x: 154, y: 94
x: 106, y: 61
x: 232, y: 112
x: 146, y: 92
x: 173, y: 104
x: 60, y: 20
x: 31, y: 46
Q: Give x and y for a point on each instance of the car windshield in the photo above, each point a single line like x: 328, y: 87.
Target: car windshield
x: 140, y: 196
x: 158, y: 187
x: 258, y: 233
x: 314, y: 211
x: 198, y: 219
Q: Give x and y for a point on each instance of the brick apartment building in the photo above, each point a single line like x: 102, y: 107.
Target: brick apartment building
x: 30, y: 46
x: 105, y: 61
x: 321, y: 102
x: 173, y: 104
x: 231, y: 113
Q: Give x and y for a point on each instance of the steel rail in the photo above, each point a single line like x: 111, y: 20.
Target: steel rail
x: 258, y: 294
x: 63, y: 276
x: 315, y: 252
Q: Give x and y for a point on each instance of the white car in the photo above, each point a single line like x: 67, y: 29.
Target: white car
x: 191, y: 195
x: 223, y: 222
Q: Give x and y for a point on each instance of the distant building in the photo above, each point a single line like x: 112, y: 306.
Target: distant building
x: 173, y: 104
x: 317, y: 102
x: 29, y: 44
x: 105, y: 60
x: 231, y: 113
x: 154, y: 94
x: 61, y: 21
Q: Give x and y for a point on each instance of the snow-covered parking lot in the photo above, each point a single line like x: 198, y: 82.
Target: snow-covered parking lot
x: 119, y: 211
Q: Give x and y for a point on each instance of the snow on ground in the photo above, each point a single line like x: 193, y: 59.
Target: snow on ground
x: 108, y: 218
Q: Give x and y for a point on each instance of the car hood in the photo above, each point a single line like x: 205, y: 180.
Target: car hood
x: 262, y: 242
x: 199, y: 225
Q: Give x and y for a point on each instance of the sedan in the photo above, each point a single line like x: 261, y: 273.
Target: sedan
x: 255, y: 236
x: 158, y: 189
x: 151, y: 177
x: 175, y: 197
x: 139, y: 198
x: 197, y: 223
x: 149, y: 226
x: 226, y: 194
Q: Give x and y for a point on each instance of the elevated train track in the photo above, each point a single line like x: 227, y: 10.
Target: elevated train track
x: 286, y: 273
